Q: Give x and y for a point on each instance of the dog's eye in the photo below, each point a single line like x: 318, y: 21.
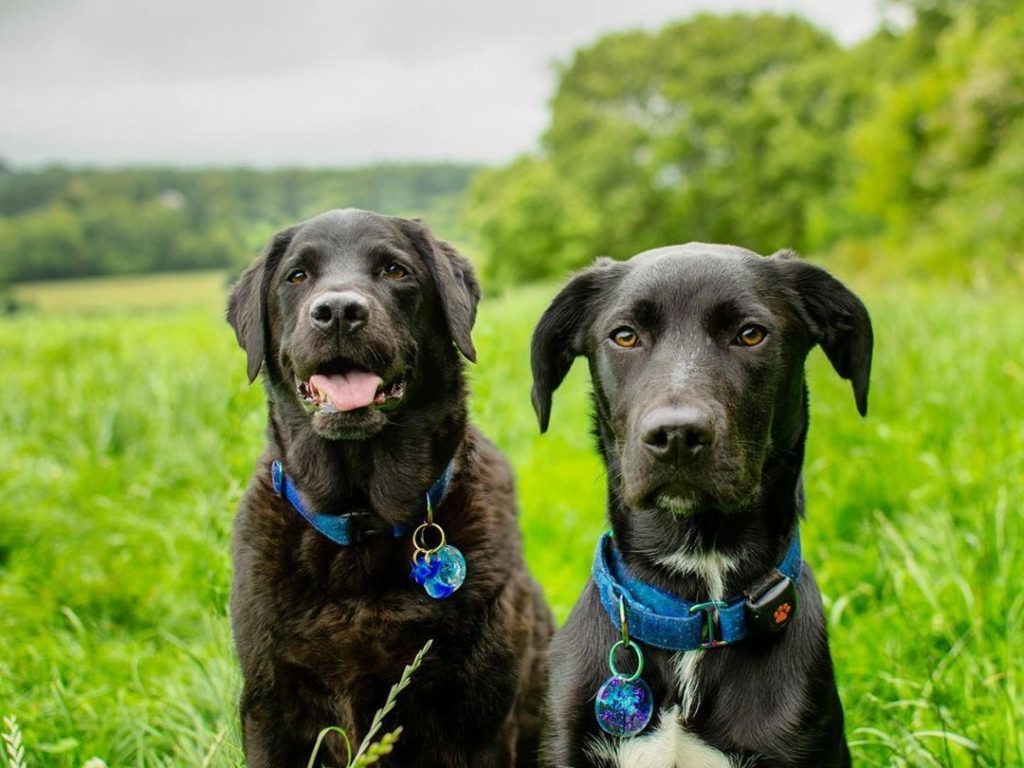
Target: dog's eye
x: 625, y: 337
x: 395, y: 271
x: 751, y: 335
x: 297, y: 276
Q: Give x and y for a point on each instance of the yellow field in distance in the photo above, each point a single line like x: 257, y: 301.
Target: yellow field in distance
x: 173, y: 289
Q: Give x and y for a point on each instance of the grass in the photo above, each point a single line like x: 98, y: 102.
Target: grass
x: 92, y: 294
x: 128, y: 436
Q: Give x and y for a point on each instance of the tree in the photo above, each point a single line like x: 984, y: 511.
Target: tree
x: 530, y: 222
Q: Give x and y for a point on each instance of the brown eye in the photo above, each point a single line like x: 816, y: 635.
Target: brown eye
x: 625, y: 337
x: 751, y: 335
x: 395, y: 271
x: 297, y: 276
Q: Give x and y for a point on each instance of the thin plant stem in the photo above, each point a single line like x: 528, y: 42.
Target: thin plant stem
x: 396, y: 689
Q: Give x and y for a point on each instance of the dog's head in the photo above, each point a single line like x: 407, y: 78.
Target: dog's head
x: 349, y: 313
x: 697, y: 358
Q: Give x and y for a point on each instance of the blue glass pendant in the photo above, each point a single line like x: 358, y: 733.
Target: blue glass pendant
x: 437, y: 566
x: 449, y: 573
x: 440, y: 573
x: 623, y: 706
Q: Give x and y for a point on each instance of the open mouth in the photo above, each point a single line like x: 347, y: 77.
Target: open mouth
x: 346, y: 391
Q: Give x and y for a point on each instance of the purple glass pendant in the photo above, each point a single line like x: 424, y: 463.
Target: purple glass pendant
x: 624, y: 706
x: 624, y: 703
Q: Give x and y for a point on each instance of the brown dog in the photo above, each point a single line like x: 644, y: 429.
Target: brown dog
x: 358, y: 321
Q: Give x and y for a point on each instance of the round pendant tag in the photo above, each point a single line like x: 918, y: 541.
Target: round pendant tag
x: 623, y: 706
x: 450, y: 572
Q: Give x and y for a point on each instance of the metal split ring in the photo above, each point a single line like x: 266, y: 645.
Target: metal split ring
x: 639, y: 660
x: 419, y: 541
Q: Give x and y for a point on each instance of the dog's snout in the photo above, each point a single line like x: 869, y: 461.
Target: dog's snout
x: 344, y: 311
x: 677, y: 434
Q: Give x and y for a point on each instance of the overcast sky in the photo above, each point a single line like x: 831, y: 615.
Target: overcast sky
x: 314, y: 82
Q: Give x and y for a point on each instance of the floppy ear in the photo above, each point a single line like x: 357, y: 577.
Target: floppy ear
x: 559, y: 336
x: 247, y: 306
x: 455, y: 280
x: 837, y: 320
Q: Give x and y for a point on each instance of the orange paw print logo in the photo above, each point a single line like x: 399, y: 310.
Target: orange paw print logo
x: 781, y: 614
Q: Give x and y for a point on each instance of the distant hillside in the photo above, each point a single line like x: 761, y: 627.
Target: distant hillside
x: 61, y: 222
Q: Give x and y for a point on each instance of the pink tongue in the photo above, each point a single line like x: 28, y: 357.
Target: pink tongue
x: 348, y: 391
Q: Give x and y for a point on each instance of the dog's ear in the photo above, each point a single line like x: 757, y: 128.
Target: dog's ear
x: 559, y: 336
x: 837, y: 320
x: 456, y: 283
x: 247, y: 306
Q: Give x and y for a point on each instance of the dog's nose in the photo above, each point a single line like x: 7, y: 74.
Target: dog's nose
x: 677, y: 434
x: 346, y: 311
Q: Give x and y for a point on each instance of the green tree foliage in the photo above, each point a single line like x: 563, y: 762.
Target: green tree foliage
x: 939, y: 164
x: 662, y: 134
x: 668, y: 128
x: 762, y: 131
x: 534, y: 224
x: 59, y: 222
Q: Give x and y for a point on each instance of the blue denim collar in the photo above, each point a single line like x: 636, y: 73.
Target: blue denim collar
x: 355, y: 527
x: 663, y: 620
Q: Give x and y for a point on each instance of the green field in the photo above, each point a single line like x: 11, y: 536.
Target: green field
x: 127, y: 437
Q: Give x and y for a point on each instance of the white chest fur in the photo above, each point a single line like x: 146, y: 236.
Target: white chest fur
x: 669, y: 745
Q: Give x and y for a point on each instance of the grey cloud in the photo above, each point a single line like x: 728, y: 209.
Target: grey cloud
x: 316, y: 82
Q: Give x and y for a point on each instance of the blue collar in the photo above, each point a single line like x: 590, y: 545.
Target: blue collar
x: 354, y: 527
x: 661, y: 619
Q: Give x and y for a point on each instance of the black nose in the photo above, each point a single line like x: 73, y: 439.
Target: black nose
x: 344, y: 311
x: 677, y: 434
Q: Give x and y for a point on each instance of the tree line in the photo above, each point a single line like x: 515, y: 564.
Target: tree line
x: 61, y: 222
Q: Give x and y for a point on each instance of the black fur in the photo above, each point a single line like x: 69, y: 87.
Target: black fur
x: 737, y: 418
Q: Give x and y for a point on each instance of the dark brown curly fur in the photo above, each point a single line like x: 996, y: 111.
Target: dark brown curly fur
x: 323, y: 631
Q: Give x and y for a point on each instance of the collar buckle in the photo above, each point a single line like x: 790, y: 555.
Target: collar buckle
x: 712, y: 631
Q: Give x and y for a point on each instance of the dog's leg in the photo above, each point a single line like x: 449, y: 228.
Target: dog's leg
x: 267, y: 741
x: 268, y: 746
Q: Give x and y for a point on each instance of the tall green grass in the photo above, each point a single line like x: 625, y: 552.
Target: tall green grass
x: 126, y: 438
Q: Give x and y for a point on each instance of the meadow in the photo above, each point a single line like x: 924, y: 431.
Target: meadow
x: 128, y: 432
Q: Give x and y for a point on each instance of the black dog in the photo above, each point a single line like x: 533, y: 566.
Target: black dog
x: 358, y: 321
x: 696, y: 354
